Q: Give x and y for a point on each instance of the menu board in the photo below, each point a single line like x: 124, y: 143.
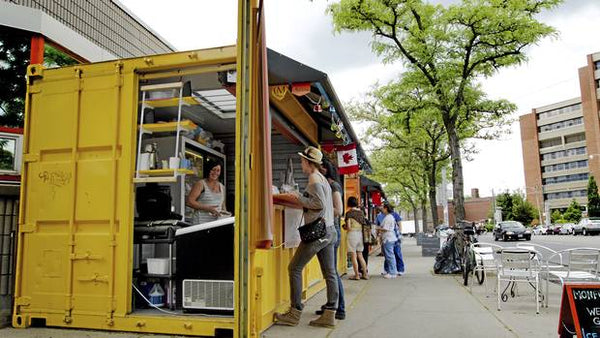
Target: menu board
x: 580, y: 311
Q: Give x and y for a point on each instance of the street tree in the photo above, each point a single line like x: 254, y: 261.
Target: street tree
x: 522, y: 210
x: 556, y: 217
x: 573, y: 212
x: 388, y: 109
x: 396, y: 167
x: 451, y: 47
x: 593, y: 198
x: 504, y: 201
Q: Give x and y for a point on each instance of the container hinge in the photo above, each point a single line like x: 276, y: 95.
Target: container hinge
x: 27, y: 228
x: 22, y: 301
x: 85, y: 256
x: 68, y: 319
x: 119, y: 79
x: 94, y: 278
x: 31, y: 157
x: 109, y: 319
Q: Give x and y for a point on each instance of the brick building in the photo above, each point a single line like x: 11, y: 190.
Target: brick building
x: 561, y: 144
x: 476, y: 208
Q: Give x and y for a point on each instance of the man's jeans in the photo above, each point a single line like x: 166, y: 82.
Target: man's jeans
x: 341, y: 303
x: 324, y: 249
x: 390, y: 259
x: 398, y: 255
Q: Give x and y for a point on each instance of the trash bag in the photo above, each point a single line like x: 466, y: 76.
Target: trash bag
x: 447, y: 260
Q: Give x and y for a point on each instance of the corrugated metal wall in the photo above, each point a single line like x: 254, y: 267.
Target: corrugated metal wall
x: 9, y: 208
x: 104, y: 23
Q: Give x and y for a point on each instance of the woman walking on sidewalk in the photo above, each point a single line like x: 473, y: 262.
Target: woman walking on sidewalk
x: 388, y: 241
x: 354, y: 222
x: 317, y: 203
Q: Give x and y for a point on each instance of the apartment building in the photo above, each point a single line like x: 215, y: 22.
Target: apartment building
x: 561, y: 144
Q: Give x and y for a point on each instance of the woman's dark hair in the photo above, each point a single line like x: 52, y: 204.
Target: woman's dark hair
x: 330, y: 170
x: 389, y: 208
x: 352, y: 202
x: 210, y: 165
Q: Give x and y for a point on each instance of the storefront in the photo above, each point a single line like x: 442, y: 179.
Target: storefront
x: 110, y: 153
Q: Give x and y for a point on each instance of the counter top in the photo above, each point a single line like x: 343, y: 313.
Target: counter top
x: 286, y: 200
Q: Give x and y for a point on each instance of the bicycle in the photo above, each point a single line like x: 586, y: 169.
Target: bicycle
x: 468, y: 255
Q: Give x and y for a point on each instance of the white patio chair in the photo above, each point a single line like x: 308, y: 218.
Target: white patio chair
x: 579, y: 265
x: 485, y: 259
x: 518, y: 265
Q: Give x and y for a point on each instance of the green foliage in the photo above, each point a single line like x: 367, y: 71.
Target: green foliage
x: 522, y: 210
x: 516, y: 208
x: 447, y: 50
x: 56, y: 58
x: 14, y: 59
x: 593, y: 198
x: 573, y: 212
x: 556, y: 217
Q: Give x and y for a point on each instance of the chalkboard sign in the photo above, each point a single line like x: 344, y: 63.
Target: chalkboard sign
x: 580, y: 311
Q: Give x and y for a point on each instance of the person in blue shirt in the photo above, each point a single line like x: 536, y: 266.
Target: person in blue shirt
x: 398, y: 246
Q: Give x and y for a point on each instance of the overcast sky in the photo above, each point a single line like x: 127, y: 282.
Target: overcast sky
x: 301, y: 30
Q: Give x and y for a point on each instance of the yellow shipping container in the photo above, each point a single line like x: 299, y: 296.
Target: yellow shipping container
x: 76, y: 235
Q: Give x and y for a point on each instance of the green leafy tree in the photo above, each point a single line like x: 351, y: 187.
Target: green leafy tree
x: 573, y: 212
x: 451, y: 48
x: 505, y: 202
x: 522, y: 210
x: 14, y: 59
x: 593, y: 198
x: 556, y: 217
x: 422, y: 138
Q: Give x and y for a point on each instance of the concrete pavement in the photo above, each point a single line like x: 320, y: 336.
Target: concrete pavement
x: 418, y: 304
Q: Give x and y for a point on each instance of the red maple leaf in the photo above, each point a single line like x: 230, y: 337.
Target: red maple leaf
x: 347, y: 158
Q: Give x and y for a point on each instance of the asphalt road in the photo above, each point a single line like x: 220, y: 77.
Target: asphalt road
x: 554, y: 242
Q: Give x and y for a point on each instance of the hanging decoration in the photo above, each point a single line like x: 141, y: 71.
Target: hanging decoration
x: 347, y: 159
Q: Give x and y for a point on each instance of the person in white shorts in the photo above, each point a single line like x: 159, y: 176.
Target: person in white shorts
x: 354, y: 221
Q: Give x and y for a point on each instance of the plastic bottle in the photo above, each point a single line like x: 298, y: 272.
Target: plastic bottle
x: 157, y: 295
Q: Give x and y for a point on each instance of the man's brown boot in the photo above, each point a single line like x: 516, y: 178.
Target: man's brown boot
x: 290, y: 318
x: 327, y: 319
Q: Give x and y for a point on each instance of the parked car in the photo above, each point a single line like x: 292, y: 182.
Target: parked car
x: 511, y: 230
x: 587, y: 226
x: 539, y: 230
x: 555, y: 229
x: 566, y: 229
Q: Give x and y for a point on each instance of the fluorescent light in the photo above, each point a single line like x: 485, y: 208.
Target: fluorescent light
x: 219, y: 101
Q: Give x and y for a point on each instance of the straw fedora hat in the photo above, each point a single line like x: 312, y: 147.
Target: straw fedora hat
x: 312, y: 154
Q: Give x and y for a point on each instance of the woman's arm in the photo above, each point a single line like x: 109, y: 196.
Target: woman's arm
x: 191, y: 199
x: 338, y: 205
x: 313, y: 197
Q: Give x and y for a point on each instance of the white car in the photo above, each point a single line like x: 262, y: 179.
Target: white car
x: 540, y: 230
x: 587, y: 226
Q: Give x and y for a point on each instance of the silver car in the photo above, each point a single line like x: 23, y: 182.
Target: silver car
x: 587, y: 226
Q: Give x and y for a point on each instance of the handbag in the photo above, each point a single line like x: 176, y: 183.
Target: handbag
x: 368, y: 237
x: 312, y: 231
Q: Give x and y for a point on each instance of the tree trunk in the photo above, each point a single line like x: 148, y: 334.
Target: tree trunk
x: 458, y: 198
x: 416, y: 218
x: 432, y: 197
x: 424, y: 213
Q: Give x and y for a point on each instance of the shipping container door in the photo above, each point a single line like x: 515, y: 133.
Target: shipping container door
x: 76, y: 193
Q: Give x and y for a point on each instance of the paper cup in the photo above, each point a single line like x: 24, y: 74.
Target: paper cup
x: 144, y: 161
x: 173, y: 162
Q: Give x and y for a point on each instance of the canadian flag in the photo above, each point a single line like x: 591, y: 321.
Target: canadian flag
x: 347, y: 159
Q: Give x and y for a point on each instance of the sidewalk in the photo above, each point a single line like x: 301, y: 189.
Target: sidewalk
x: 418, y: 304
x: 421, y: 304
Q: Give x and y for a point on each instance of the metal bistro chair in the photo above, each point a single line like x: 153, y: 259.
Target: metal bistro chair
x: 485, y: 260
x: 518, y: 265
x: 572, y: 265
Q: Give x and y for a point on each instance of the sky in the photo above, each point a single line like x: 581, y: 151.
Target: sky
x: 303, y: 31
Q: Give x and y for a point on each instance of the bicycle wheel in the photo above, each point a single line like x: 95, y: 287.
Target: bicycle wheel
x: 466, y: 267
x: 480, y: 275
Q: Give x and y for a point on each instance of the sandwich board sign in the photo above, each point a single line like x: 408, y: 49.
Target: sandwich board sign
x: 580, y: 311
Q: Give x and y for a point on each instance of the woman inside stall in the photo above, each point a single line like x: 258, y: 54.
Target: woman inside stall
x: 207, y: 196
x: 317, y: 203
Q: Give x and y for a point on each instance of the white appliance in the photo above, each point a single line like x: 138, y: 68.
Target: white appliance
x: 202, y: 294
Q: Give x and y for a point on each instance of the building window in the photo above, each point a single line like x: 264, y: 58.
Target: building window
x: 565, y: 194
x: 559, y: 111
x: 551, y: 143
x: 597, y: 64
x: 563, y: 153
x: 561, y: 124
x: 565, y: 166
x: 565, y: 178
x: 574, y: 138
